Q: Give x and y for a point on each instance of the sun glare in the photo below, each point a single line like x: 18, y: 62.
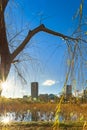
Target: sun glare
x: 5, y: 120
x: 4, y: 84
x: 7, y: 87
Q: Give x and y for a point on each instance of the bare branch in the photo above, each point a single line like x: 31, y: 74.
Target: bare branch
x: 19, y: 74
x: 35, y: 31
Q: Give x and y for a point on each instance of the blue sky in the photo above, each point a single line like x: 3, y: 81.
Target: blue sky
x: 56, y: 14
x: 49, y: 52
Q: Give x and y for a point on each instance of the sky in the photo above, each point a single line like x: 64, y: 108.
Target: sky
x: 46, y: 54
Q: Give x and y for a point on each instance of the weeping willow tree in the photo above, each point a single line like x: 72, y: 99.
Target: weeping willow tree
x: 77, y: 58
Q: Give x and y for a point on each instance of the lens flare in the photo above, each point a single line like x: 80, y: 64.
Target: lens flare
x: 5, y: 120
x: 3, y: 84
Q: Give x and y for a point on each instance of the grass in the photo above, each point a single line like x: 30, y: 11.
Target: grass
x: 43, y: 126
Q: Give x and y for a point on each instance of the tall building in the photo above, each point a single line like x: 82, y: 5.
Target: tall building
x: 68, y: 90
x: 34, y: 90
x: 85, y: 92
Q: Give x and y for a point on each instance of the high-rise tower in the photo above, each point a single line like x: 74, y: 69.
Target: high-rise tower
x: 34, y: 90
x: 68, y: 90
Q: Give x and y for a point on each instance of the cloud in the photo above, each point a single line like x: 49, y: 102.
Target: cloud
x: 49, y: 83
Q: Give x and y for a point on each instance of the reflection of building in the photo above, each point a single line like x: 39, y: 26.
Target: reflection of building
x: 34, y: 89
x: 69, y: 90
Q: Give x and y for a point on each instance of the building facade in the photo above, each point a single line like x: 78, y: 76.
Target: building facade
x: 68, y: 90
x: 85, y: 92
x: 34, y: 90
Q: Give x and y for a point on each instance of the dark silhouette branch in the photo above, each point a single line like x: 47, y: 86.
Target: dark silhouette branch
x: 35, y: 31
x: 19, y: 74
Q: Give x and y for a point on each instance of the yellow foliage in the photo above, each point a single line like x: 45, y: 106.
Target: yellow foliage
x: 85, y: 125
x: 86, y: 33
x: 68, y: 62
x: 56, y: 122
x: 81, y: 9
